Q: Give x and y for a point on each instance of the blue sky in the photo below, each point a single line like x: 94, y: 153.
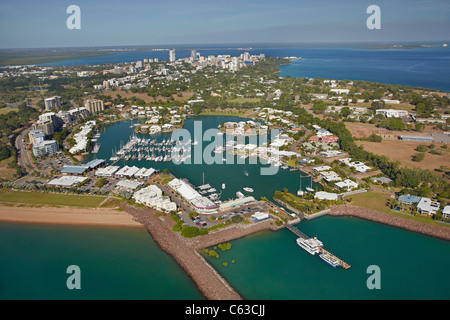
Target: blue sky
x: 30, y: 24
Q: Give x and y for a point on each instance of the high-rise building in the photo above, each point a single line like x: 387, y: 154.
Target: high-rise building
x: 46, y: 126
x: 45, y: 148
x: 172, y: 56
x: 235, y: 64
x: 194, y: 55
x: 94, y: 105
x: 36, y: 136
x: 52, y: 103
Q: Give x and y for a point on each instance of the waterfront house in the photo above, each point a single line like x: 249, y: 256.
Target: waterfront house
x: 408, y: 199
x: 347, y: 184
x: 428, y: 206
x: 446, y: 212
x: 322, y: 195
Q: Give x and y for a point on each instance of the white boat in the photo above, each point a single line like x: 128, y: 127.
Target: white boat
x: 223, y: 185
x: 212, y: 190
x: 311, y: 245
x: 329, y: 259
x: 309, y: 189
x: 205, y: 186
x: 248, y: 189
x: 246, y: 173
x: 239, y: 194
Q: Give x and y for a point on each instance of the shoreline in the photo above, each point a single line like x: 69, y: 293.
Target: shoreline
x: 67, y: 216
x: 209, y: 282
x: 442, y: 233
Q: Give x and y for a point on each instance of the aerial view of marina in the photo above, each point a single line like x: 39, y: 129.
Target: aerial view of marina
x: 206, y: 154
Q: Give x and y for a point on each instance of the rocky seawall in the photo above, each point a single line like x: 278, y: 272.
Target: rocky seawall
x: 395, y: 221
x: 208, y: 281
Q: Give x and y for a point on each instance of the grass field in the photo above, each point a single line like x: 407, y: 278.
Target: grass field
x: 6, y: 110
x: 222, y: 113
x: 7, y: 172
x: 111, y: 203
x: 377, y: 201
x: 50, y: 199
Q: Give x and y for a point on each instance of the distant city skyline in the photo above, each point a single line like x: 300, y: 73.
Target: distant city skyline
x: 42, y: 24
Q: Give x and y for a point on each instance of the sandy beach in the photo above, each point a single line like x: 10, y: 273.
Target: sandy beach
x: 68, y: 216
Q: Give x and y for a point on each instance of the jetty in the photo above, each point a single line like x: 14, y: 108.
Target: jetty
x: 300, y: 234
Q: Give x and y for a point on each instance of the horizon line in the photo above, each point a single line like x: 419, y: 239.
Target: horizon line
x: 238, y: 45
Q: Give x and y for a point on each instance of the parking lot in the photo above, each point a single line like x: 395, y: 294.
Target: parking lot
x: 246, y: 210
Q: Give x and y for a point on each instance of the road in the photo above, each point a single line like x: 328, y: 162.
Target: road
x: 23, y: 159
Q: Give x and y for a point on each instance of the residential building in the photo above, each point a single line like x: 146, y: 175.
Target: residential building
x: 45, y: 148
x: 172, y: 56
x: 152, y: 196
x: 391, y: 113
x: 94, y: 105
x: 322, y: 195
x: 408, y: 199
x: 347, y: 184
x: 46, y: 126
x: 36, y: 136
x: 446, y: 212
x: 428, y: 206
x: 52, y: 103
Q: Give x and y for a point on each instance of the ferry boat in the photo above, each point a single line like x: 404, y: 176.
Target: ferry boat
x: 311, y: 245
x: 248, y: 189
x: 329, y: 259
x: 239, y: 194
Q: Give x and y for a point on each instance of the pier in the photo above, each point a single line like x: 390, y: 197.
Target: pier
x: 300, y: 234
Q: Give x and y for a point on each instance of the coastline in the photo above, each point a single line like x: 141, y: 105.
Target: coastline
x: 211, y: 285
x: 67, y: 216
x: 391, y: 220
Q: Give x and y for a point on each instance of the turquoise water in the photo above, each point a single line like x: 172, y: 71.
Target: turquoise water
x: 270, y: 265
x: 115, y: 263
x: 233, y: 175
x: 122, y: 263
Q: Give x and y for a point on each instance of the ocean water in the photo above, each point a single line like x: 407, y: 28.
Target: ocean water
x: 419, y: 67
x: 115, y: 263
x: 127, y: 264
x: 271, y: 266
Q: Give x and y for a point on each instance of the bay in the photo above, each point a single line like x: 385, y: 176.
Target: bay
x: 115, y: 263
x: 271, y: 266
x: 418, y: 67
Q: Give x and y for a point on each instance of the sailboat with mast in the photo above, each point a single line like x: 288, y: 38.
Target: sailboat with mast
x: 300, y: 191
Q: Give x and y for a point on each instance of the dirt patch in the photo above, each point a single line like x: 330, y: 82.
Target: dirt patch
x: 148, y: 99
x: 397, y: 150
